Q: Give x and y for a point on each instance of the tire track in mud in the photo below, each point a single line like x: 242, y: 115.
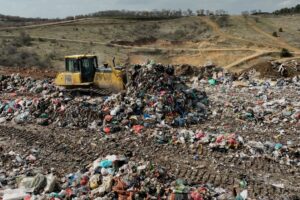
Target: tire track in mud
x: 68, y: 151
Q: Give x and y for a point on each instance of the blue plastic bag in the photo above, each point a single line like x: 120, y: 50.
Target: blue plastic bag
x: 106, y: 163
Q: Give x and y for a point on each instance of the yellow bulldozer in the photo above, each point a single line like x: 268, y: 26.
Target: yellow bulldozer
x: 82, y: 74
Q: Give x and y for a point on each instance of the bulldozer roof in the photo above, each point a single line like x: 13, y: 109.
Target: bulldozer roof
x: 80, y: 56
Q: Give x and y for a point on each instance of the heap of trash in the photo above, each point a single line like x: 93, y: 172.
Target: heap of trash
x: 110, y: 177
x: 154, y: 97
x: 16, y: 85
x: 215, y: 141
x: 284, y: 154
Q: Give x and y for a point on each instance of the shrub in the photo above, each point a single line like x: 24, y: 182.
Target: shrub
x: 280, y: 29
x: 11, y: 49
x: 212, y: 17
x: 52, y: 55
x: 41, y: 40
x: 178, y: 34
x: 285, y: 53
x: 275, y: 34
x: 24, y: 39
x: 11, y: 55
x: 223, y: 21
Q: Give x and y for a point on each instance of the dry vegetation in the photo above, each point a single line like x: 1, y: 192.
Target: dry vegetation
x: 193, y: 40
x: 17, y: 52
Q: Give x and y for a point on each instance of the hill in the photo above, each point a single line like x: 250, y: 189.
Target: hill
x: 235, y: 42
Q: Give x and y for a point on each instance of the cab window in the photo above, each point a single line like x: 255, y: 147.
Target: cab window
x: 89, y: 63
x: 86, y: 63
x: 72, y: 65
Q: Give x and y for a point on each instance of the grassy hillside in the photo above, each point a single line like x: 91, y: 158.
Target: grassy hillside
x: 191, y: 40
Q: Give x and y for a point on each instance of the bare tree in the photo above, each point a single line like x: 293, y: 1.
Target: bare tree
x: 190, y: 12
x: 245, y: 13
x: 200, y: 12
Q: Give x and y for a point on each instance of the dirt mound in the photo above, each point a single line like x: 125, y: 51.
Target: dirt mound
x: 269, y: 69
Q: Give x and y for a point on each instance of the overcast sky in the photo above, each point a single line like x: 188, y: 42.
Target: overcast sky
x: 63, y: 8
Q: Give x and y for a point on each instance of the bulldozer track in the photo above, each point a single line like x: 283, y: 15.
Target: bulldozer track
x: 67, y: 151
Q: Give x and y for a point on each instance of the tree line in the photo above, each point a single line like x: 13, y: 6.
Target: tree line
x: 285, y: 11
x: 165, y: 13
x: 23, y: 19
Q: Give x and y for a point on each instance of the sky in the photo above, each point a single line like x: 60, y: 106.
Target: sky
x: 63, y: 8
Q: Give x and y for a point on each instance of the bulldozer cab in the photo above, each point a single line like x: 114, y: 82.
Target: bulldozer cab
x: 86, y: 65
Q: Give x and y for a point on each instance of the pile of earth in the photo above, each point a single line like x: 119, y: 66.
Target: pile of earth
x: 269, y: 69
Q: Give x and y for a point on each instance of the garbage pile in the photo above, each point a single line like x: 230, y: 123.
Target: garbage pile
x: 284, y: 154
x: 110, y: 177
x: 24, y: 86
x: 260, y: 102
x: 56, y: 109
x: 247, y: 123
x: 215, y: 141
x: 267, y: 111
x: 209, y: 72
x: 268, y: 108
x: 24, y: 99
x: 155, y: 97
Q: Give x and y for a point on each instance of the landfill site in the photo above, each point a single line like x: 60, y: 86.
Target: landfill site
x: 177, y: 132
x: 156, y: 125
